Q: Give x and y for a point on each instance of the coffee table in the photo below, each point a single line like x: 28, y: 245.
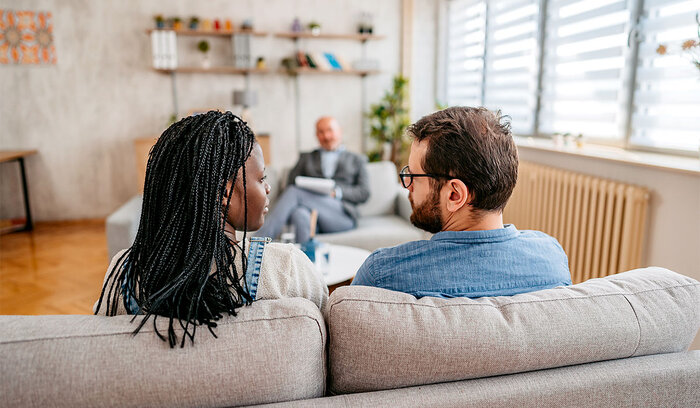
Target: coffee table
x: 344, y: 261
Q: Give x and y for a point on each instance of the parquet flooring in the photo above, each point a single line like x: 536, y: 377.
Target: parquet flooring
x: 56, y: 269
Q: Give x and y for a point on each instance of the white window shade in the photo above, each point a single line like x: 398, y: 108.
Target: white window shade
x: 667, y: 93
x: 465, y: 52
x: 512, y: 57
x: 583, y: 79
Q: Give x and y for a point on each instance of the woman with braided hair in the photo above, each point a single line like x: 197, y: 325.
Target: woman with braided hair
x: 204, y: 181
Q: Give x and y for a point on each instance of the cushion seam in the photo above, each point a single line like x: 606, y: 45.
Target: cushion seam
x: 512, y: 303
x: 149, y: 331
x: 639, y: 325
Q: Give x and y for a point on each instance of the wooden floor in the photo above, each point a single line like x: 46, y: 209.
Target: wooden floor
x: 56, y: 269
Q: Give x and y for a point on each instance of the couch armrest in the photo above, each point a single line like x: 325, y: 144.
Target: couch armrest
x: 403, y: 206
x: 122, y: 225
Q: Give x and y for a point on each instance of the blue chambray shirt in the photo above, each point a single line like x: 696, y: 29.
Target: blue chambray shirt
x: 501, y: 262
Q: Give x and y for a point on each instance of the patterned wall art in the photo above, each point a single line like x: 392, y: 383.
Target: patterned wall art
x: 26, y: 38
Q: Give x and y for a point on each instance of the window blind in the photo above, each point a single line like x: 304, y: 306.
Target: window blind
x: 583, y: 79
x: 465, y: 52
x: 667, y: 94
x: 512, y: 61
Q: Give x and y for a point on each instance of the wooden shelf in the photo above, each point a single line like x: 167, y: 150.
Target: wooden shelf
x: 354, y: 37
x: 313, y: 71
x: 212, y: 33
x: 213, y: 70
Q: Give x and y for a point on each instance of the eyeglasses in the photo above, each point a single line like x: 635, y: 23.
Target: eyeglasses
x: 404, y: 175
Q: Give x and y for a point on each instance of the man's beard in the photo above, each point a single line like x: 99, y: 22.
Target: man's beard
x: 428, y: 217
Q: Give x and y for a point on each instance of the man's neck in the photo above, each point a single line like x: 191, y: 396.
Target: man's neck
x: 488, y: 221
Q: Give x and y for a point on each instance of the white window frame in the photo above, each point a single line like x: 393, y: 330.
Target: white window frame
x: 630, y: 71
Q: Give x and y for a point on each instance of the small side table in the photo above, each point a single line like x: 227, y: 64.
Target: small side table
x: 19, y: 155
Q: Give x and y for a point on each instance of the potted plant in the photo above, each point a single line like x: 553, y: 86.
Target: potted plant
x: 388, y: 121
x: 160, y: 21
x: 194, y: 23
x: 315, y: 28
x: 203, y: 47
x: 177, y: 23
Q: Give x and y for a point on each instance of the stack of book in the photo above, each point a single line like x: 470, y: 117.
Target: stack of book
x: 325, y: 61
x: 164, y: 49
x: 241, y: 50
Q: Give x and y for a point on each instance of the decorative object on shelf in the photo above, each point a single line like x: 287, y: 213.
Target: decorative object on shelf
x: 260, y: 63
x: 388, y: 121
x: 206, y: 24
x: 689, y: 48
x: 365, y: 25
x: 366, y: 65
x: 246, y: 99
x: 296, y: 25
x: 177, y: 23
x: 247, y: 25
x: 290, y: 64
x: 26, y: 38
x: 217, y: 25
x: 315, y: 28
x: 203, y: 47
x: 241, y: 50
x: 160, y: 21
x: 228, y: 25
x: 579, y: 140
x: 194, y: 23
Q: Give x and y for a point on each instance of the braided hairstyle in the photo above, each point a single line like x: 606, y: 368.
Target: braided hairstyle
x: 182, y: 265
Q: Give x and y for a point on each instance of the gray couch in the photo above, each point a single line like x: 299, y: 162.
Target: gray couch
x: 383, y: 222
x: 617, y: 341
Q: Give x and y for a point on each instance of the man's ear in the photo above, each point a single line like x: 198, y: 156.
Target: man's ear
x: 457, y: 195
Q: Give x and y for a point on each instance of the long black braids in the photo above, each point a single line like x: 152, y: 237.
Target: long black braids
x: 182, y: 266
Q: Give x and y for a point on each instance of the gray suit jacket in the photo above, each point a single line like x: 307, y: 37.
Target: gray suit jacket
x: 350, y: 176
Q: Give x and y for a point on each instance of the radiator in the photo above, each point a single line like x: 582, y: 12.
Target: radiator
x: 600, y: 223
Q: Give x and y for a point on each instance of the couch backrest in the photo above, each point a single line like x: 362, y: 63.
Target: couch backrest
x: 272, y: 351
x: 381, y: 339
x: 383, y: 187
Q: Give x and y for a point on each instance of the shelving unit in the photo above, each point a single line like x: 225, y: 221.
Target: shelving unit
x: 354, y: 37
x: 213, y: 70
x: 212, y: 33
x: 295, y: 73
x: 315, y: 71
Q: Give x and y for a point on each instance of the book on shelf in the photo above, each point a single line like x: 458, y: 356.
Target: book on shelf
x: 321, y: 61
x: 241, y: 50
x: 333, y: 61
x: 164, y: 49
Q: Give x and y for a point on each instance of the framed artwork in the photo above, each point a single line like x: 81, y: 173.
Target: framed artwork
x: 26, y: 38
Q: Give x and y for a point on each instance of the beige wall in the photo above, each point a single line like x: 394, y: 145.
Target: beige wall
x: 83, y: 113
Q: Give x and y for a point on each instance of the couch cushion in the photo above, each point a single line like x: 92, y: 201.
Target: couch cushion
x: 272, y: 351
x: 383, y: 185
x: 375, y: 232
x: 380, y: 339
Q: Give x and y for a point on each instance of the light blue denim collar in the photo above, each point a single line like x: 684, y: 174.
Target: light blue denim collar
x: 502, y: 234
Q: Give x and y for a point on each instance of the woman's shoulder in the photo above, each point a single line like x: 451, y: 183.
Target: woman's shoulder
x: 285, y: 254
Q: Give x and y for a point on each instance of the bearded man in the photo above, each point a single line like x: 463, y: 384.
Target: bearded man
x: 461, y: 172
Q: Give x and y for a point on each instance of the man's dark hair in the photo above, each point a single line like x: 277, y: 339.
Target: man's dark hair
x: 181, y: 265
x: 474, y: 145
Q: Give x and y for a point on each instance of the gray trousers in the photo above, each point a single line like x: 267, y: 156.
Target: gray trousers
x: 294, y: 207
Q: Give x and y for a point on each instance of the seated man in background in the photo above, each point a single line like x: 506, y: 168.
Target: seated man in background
x: 337, y: 210
x: 461, y: 172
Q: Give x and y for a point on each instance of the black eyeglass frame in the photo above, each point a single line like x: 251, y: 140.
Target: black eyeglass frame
x: 403, y: 175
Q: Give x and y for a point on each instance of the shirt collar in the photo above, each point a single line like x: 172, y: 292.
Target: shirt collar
x: 502, y: 234
x: 338, y: 149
